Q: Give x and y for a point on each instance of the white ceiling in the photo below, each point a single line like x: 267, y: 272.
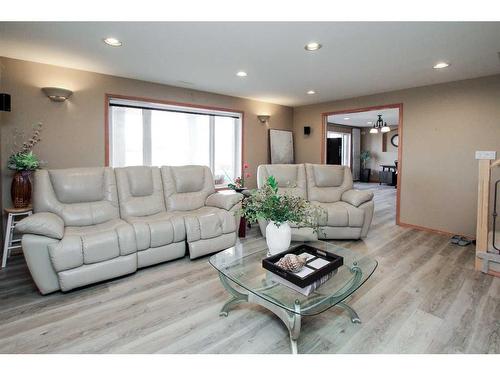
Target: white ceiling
x: 356, y: 58
x: 361, y: 119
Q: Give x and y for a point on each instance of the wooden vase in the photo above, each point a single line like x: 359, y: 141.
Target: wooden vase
x: 20, y: 190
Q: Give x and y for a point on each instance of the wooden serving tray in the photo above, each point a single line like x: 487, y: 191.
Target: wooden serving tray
x: 320, y: 264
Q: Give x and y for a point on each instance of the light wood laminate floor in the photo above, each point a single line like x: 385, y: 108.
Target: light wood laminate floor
x: 424, y: 297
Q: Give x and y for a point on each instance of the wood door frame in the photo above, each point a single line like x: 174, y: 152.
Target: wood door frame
x: 108, y: 96
x: 324, y: 128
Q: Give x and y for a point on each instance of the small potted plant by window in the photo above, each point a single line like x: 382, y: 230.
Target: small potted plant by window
x: 23, y: 162
x: 239, y: 182
x: 279, y: 210
x: 365, y: 157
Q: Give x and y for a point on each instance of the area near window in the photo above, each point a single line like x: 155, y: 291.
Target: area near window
x: 148, y: 133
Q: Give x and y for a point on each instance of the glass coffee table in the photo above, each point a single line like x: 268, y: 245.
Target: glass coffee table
x: 241, y: 273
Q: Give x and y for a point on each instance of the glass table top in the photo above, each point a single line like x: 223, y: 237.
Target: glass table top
x: 242, y: 264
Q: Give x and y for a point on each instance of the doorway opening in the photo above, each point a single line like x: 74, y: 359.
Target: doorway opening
x: 369, y: 141
x: 338, y: 148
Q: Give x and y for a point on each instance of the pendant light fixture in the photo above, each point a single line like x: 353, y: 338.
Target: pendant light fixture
x: 380, y: 125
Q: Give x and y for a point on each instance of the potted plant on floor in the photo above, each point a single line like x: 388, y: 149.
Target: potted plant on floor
x: 365, y: 157
x: 279, y: 210
x: 23, y: 162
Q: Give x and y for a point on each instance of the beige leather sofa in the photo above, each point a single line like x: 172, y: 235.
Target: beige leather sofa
x: 94, y: 224
x: 348, y: 212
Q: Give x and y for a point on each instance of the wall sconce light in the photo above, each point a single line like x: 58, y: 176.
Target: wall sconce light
x: 264, y: 119
x: 5, y: 102
x: 57, y: 94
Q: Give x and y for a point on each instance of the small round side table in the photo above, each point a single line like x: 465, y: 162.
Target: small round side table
x: 14, y: 215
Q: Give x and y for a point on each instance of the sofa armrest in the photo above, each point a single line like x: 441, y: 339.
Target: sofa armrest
x: 357, y: 197
x: 43, y: 224
x: 224, y: 201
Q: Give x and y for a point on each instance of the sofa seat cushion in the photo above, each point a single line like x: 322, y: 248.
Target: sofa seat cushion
x: 92, y: 244
x: 208, y: 222
x: 158, y: 230
x: 93, y: 273
x: 341, y: 214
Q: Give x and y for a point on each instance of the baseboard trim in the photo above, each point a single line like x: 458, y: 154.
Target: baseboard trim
x: 432, y: 230
x: 493, y: 273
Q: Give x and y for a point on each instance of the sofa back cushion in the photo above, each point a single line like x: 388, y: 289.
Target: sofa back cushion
x: 327, y: 183
x: 188, y: 180
x: 291, y: 178
x: 80, y: 196
x: 186, y: 187
x: 77, y: 185
x: 140, y: 191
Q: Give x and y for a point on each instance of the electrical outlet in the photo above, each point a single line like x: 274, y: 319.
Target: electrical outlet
x: 486, y: 155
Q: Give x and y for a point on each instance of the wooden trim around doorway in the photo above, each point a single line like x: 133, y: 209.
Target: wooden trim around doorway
x: 324, y: 122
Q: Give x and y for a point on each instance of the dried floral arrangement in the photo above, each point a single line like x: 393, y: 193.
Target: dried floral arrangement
x: 22, y: 158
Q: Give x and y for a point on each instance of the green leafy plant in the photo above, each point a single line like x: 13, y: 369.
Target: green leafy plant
x: 23, y: 158
x: 365, y: 156
x: 267, y: 204
x: 23, y: 161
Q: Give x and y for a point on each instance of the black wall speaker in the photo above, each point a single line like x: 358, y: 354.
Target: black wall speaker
x: 307, y: 130
x: 5, y: 102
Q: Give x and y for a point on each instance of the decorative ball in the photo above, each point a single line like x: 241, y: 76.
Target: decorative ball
x: 291, y: 262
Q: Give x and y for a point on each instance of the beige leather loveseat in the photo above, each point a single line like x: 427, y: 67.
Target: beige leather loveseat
x: 94, y: 224
x: 348, y: 212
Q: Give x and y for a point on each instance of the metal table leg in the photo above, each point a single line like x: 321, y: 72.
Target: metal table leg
x: 237, y: 296
x: 292, y: 320
x: 354, y: 316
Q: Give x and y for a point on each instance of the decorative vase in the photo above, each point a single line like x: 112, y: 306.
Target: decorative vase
x: 20, y: 190
x: 365, y: 175
x: 278, y: 238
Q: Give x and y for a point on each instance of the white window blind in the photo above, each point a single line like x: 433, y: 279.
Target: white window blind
x: 143, y: 133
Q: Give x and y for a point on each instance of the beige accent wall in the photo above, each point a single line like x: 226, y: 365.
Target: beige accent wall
x: 73, y: 133
x: 443, y: 125
x: 374, y: 144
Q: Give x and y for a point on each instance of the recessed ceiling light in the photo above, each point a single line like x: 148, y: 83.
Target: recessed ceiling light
x: 311, y: 92
x: 313, y: 46
x: 347, y: 118
x: 113, y: 42
x: 369, y: 122
x: 241, y: 73
x: 441, y: 65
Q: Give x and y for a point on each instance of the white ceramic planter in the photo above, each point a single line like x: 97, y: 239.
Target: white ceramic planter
x: 278, y: 238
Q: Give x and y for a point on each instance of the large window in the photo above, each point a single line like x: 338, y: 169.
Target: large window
x: 143, y: 133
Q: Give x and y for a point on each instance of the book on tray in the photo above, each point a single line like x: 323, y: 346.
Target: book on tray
x: 306, y: 290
